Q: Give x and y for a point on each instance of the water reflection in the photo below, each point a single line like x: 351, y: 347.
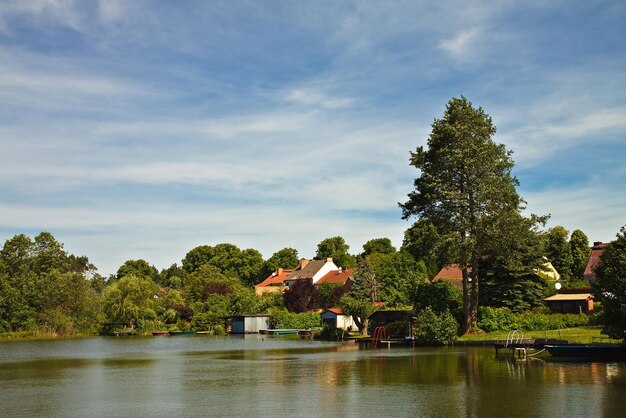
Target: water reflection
x: 199, y: 376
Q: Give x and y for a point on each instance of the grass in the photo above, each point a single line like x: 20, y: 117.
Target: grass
x: 582, y: 335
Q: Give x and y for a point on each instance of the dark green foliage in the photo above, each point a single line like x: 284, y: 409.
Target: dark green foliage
x: 495, y: 319
x: 378, y: 246
x: 465, y: 186
x: 281, y: 318
x: 329, y: 333
x: 610, y: 286
x: 435, y: 329
x: 440, y: 297
x: 423, y: 242
x: 139, y: 268
x: 579, y: 246
x: 286, y: 258
x: 337, y: 249
x: 558, y: 251
x: 330, y: 293
x: 173, y: 276
x: 511, y: 265
x: 246, y: 265
x: 302, y: 296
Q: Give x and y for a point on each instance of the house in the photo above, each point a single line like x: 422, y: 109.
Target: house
x: 249, y: 324
x: 335, y: 318
x: 274, y: 283
x: 398, y: 324
x: 451, y: 274
x: 316, y: 271
x: 594, y: 258
x: 570, y: 303
x: 312, y: 270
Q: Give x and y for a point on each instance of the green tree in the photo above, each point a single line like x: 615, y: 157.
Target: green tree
x: 365, y: 290
x: 378, y: 246
x: 610, y: 286
x: 559, y: 252
x: 465, y: 185
x: 128, y: 300
x: 359, y: 309
x: 337, y: 249
x: 246, y: 265
x: 139, y: 268
x: 579, y: 246
x: 423, y: 242
x: 435, y: 328
x: 512, y: 265
x: 286, y: 258
x: 440, y: 297
x: 397, y: 273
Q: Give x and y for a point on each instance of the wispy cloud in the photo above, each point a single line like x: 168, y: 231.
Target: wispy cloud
x: 463, y: 44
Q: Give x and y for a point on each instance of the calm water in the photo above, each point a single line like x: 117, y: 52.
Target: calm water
x: 278, y: 376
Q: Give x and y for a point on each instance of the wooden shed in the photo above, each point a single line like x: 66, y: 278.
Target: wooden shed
x: 570, y: 303
x: 398, y: 324
x: 249, y: 324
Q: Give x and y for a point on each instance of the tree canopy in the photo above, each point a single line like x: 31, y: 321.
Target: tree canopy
x: 465, y: 185
x: 337, y: 249
x: 558, y: 251
x: 611, y: 285
x: 579, y: 246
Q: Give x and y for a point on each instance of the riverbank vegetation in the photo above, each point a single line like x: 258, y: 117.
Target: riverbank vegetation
x: 468, y: 214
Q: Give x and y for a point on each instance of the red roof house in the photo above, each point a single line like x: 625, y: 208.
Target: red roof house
x: 451, y: 274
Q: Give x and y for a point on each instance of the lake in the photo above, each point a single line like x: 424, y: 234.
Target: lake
x: 285, y: 376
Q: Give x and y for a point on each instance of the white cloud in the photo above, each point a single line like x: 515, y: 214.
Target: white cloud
x: 313, y: 97
x: 463, y: 44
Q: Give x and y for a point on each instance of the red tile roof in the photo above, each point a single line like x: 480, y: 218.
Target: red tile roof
x: 596, y: 252
x: 451, y: 271
x: 336, y: 311
x: 336, y: 277
x: 451, y: 274
x: 276, y: 279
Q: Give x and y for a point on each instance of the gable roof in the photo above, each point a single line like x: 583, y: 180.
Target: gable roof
x: 570, y: 296
x: 451, y: 274
x: 336, y: 311
x: 451, y: 271
x: 336, y: 277
x: 594, y: 258
x: 276, y: 278
x: 309, y: 270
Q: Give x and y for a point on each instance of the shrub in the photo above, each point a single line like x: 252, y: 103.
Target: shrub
x: 540, y: 319
x: 281, y: 318
x: 433, y: 329
x: 330, y: 333
x: 495, y: 319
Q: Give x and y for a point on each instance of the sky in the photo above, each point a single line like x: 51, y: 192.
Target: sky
x: 142, y: 129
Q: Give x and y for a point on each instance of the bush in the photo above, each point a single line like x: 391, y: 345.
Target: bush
x: 540, y: 319
x: 281, y: 318
x: 330, y: 333
x: 433, y: 329
x: 495, y: 319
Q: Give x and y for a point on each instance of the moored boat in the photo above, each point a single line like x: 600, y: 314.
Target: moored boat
x: 173, y: 333
x: 160, y: 333
x: 600, y: 352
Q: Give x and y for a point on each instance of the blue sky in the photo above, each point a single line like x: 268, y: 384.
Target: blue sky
x: 143, y: 129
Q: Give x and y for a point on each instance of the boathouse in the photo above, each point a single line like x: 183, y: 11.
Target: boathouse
x: 570, y: 303
x: 249, y: 324
x: 335, y: 318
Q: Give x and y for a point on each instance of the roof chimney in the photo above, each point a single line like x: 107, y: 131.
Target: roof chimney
x: 279, y: 271
x: 303, y: 262
x: 329, y: 260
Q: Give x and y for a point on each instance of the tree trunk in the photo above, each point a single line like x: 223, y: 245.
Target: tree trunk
x: 364, y: 328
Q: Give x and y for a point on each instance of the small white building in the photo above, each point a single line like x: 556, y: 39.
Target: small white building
x: 335, y: 318
x: 249, y: 324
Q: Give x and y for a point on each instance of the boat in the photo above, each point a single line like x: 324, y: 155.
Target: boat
x: 601, y: 352
x: 173, y: 333
x: 160, y: 333
x: 281, y: 331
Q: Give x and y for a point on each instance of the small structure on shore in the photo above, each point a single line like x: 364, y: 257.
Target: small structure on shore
x: 570, y: 303
x: 335, y: 318
x: 249, y: 324
x: 398, y: 324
